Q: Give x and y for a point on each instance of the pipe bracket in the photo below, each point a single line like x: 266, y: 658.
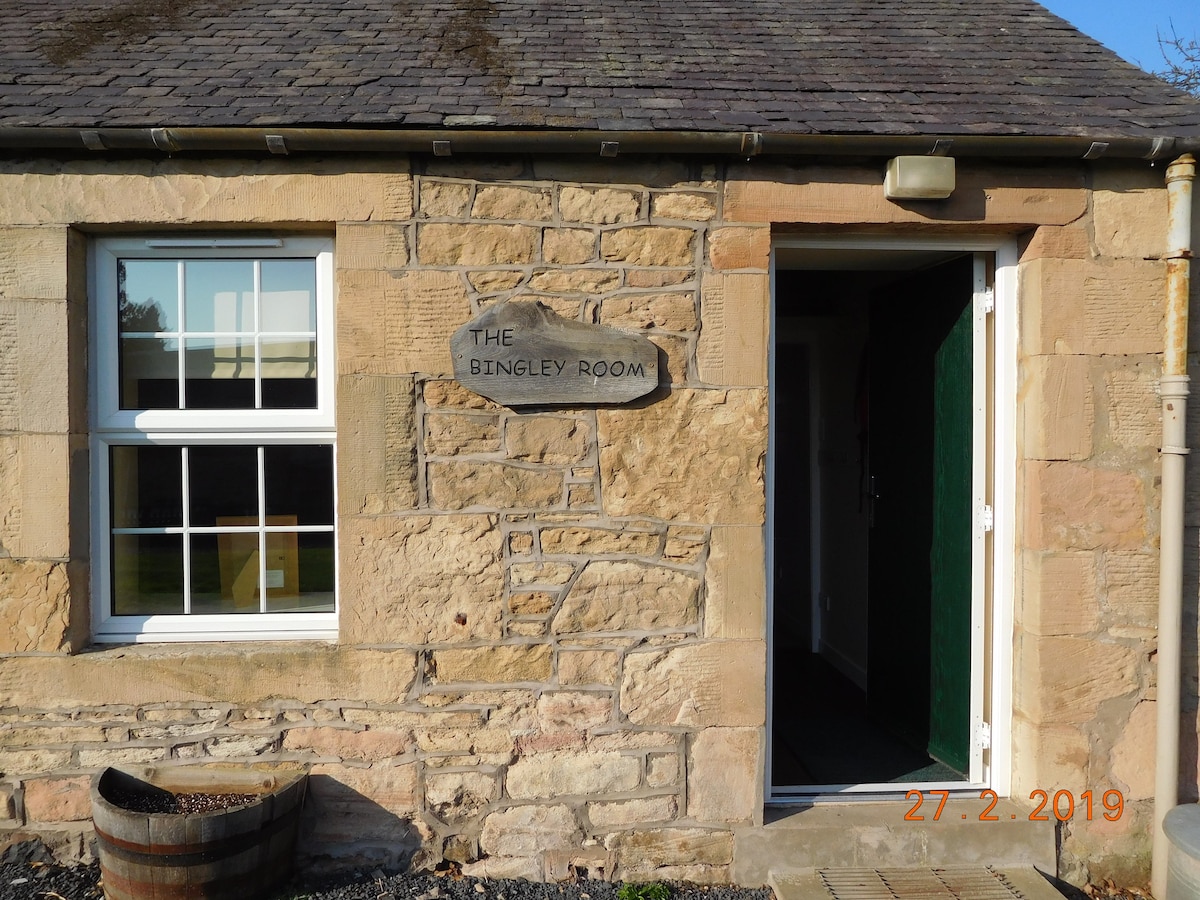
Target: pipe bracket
x: 1160, y: 147
x: 163, y: 140
x: 752, y: 143
x: 92, y: 140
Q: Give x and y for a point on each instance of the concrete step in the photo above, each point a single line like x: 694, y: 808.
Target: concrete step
x: 951, y: 883
x: 874, y: 834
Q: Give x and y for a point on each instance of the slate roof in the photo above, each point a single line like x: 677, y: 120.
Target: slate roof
x: 836, y: 67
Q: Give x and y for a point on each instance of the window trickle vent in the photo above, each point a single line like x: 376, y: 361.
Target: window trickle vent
x: 950, y: 883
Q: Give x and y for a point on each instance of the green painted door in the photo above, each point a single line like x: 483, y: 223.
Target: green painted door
x: 950, y: 553
x: 919, y: 557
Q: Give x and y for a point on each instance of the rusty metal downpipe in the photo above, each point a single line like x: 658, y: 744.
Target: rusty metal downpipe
x: 1173, y: 391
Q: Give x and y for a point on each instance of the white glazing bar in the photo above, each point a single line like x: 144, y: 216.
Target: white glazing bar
x: 227, y: 529
x: 311, y: 335
x: 101, y: 531
x: 262, y: 529
x: 257, y: 304
x: 336, y: 593
x: 180, y: 343
x: 187, y: 543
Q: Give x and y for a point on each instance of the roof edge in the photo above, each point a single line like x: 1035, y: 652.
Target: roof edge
x: 450, y: 142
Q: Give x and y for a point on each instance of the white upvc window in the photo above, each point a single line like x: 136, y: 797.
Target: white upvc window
x: 212, y: 438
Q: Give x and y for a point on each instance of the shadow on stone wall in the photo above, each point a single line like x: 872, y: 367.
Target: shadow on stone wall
x: 343, y: 829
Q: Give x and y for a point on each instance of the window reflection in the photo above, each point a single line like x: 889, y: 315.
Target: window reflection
x: 289, y: 295
x: 219, y: 295
x: 220, y: 373
x: 147, y: 295
x: 241, y: 349
x: 149, y: 373
x: 289, y: 373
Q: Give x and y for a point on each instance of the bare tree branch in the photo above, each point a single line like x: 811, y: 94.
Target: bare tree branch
x: 1182, y: 57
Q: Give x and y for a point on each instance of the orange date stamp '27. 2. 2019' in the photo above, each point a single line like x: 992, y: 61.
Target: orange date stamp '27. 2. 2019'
x: 1060, y: 805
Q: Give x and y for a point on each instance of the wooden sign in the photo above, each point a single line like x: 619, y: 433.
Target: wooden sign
x: 521, y: 352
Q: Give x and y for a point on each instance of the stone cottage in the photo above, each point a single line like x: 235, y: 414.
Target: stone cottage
x: 882, y: 526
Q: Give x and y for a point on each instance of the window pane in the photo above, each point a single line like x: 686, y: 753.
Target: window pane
x: 289, y: 295
x: 147, y: 574
x: 220, y: 373
x: 149, y: 373
x: 148, y: 295
x: 224, y: 573
x: 223, y: 485
x: 289, y: 371
x: 146, y: 487
x: 299, y: 483
x: 300, y: 572
x: 219, y: 295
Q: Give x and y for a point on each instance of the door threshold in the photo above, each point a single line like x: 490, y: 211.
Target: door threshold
x: 808, y: 794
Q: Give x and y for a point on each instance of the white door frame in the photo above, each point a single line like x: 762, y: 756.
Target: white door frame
x: 994, y: 484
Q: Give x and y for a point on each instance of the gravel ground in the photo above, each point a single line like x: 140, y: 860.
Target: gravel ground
x: 435, y: 887
x: 29, y: 873
x: 36, y: 880
x: 42, y: 881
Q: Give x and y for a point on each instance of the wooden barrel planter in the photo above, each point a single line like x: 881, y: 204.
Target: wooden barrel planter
x: 238, y: 852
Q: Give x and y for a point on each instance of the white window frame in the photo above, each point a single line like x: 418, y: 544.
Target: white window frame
x: 112, y: 426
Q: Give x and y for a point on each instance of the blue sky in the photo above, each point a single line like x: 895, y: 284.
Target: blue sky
x: 1129, y: 26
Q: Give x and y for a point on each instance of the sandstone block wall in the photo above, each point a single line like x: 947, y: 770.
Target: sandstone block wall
x: 1091, y: 334
x: 547, y: 626
x: 551, y: 651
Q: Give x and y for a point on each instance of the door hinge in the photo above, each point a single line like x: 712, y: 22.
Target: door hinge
x: 987, y: 299
x: 987, y: 518
x: 983, y: 736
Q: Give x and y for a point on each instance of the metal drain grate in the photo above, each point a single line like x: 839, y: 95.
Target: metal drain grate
x: 950, y: 883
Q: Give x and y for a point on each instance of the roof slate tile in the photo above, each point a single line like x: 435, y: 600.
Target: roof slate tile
x: 779, y: 66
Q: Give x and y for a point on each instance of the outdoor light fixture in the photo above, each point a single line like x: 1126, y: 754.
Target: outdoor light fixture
x: 919, y: 178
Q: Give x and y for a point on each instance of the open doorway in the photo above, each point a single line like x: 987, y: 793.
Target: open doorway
x: 877, y: 487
